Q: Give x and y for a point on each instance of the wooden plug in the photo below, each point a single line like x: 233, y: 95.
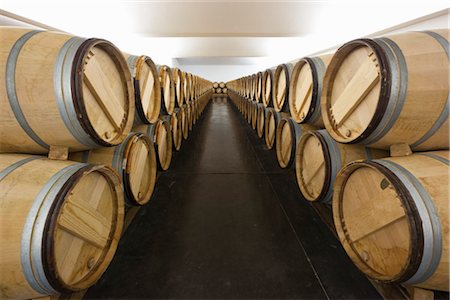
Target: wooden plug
x: 58, y: 153
x: 400, y: 150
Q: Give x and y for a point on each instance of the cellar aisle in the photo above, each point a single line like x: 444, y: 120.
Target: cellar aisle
x: 225, y: 222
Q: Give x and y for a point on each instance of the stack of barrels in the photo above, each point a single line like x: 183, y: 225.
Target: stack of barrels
x: 335, y: 117
x: 220, y: 88
x: 76, y: 101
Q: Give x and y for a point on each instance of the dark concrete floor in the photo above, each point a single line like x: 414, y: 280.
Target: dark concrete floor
x: 226, y: 222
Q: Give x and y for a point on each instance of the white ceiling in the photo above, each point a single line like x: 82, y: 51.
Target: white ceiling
x: 213, y: 32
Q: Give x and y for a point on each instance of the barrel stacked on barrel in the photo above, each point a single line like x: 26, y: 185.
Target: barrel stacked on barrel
x: 220, y: 88
x: 80, y: 123
x: 367, y: 131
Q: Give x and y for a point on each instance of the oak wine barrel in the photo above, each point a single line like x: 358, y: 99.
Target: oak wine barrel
x: 280, y: 87
x: 61, y: 224
x: 288, y: 134
x: 81, y: 87
x: 267, y: 83
x: 305, y: 89
x: 261, y: 118
x: 135, y: 162
x: 392, y: 217
x: 318, y: 160
x: 179, y: 88
x: 167, y: 90
x: 390, y: 90
x: 147, y: 88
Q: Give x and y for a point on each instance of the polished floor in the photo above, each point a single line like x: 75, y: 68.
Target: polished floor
x: 226, y: 222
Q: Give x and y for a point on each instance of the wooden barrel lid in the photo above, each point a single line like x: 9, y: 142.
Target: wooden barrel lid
x: 310, y: 166
x: 167, y: 85
x: 267, y: 87
x: 140, y: 169
x: 179, y: 88
x: 149, y: 87
x: 175, y: 126
x: 372, y: 222
x: 107, y: 92
x: 283, y: 144
x: 163, y: 138
x: 260, y: 121
x: 300, y: 95
x: 270, y: 128
x: 280, y: 87
x: 86, y: 227
x: 184, y: 122
x: 352, y: 88
x: 254, y: 114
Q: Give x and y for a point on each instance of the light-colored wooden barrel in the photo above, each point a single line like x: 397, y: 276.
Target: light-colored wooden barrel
x: 318, y: 160
x: 81, y: 87
x: 392, y: 217
x: 249, y: 111
x: 186, y: 87
x: 189, y: 116
x: 177, y: 131
x: 215, y: 85
x: 179, y: 88
x: 288, y: 134
x: 261, y: 118
x: 184, y: 121
x: 147, y: 88
x: 161, y: 136
x: 167, y: 89
x: 61, y: 222
x: 254, y: 114
x: 225, y: 90
x: 280, y: 87
x: 270, y: 126
x: 267, y: 87
x: 390, y: 90
x: 222, y: 85
x: 305, y: 89
x: 258, y: 89
x: 135, y: 162
x: 219, y: 91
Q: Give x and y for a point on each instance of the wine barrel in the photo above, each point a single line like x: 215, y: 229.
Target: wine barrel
x: 215, y: 85
x: 258, y: 89
x: 375, y: 89
x: 161, y: 136
x: 261, y: 114
x: 270, y: 126
x: 280, y: 92
x: 135, y: 162
x: 288, y: 134
x: 249, y: 111
x: 267, y: 87
x: 305, y: 89
x: 222, y: 85
x: 225, y: 90
x: 186, y: 87
x: 254, y: 114
x: 177, y: 131
x: 189, y: 116
x: 147, y: 88
x: 167, y: 89
x: 318, y: 160
x: 184, y: 122
x: 81, y: 87
x: 392, y: 217
x: 61, y: 222
x: 179, y: 88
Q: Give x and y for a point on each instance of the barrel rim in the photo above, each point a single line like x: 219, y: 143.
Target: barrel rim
x: 51, y: 226
x: 129, y: 194
x: 416, y: 243
x: 383, y: 98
